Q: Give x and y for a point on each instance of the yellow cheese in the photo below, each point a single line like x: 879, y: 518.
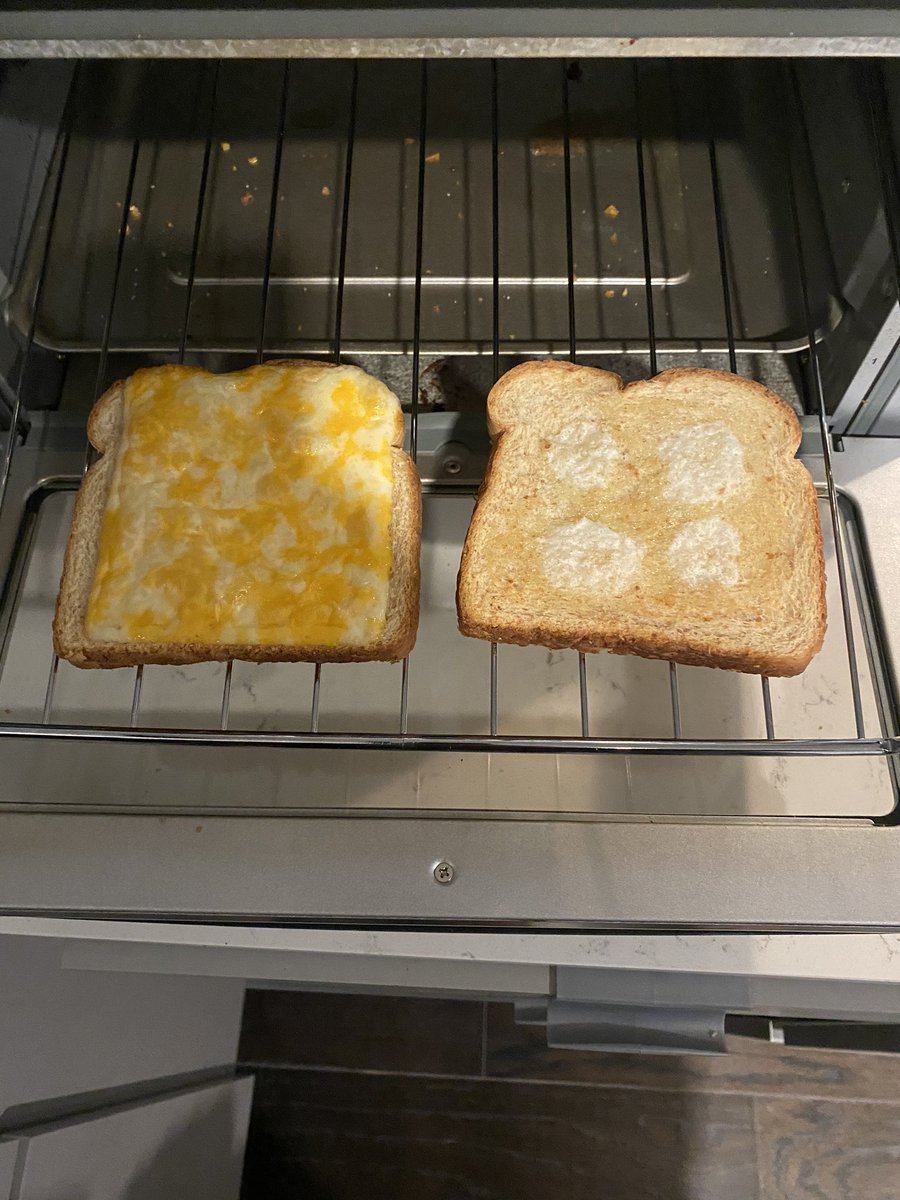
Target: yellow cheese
x: 252, y: 508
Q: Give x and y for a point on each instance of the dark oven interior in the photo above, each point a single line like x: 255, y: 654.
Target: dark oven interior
x: 437, y: 222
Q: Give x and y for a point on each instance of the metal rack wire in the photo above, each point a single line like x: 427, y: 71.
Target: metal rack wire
x: 795, y: 160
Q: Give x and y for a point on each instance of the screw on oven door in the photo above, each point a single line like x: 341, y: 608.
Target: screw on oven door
x: 444, y: 872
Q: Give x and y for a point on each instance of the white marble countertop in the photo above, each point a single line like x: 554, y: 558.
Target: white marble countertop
x: 149, y: 945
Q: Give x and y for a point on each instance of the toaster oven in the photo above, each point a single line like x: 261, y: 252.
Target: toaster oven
x: 361, y: 186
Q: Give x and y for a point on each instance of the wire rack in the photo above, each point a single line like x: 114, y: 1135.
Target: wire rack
x: 796, y: 159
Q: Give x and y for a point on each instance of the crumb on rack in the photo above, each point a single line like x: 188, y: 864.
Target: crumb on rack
x: 552, y: 144
x: 611, y: 211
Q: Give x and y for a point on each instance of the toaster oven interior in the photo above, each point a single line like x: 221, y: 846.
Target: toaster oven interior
x: 435, y: 222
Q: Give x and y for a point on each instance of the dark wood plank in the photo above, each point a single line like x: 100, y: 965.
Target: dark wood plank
x: 340, y: 1136
x: 752, y: 1068
x: 365, y: 1032
x: 826, y: 1150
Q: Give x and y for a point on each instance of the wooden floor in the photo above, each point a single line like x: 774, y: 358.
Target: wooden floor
x: 388, y: 1098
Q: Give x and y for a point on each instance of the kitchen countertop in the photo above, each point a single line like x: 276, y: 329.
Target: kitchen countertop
x: 455, y: 961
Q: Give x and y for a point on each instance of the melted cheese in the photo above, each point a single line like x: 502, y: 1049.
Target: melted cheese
x: 252, y: 508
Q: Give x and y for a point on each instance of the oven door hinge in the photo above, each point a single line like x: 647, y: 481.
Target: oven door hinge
x: 592, y: 1025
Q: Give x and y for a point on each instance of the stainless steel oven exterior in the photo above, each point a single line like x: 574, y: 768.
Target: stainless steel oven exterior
x: 655, y: 814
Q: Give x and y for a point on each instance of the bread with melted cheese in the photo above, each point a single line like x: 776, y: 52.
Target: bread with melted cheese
x: 267, y: 515
x: 667, y: 519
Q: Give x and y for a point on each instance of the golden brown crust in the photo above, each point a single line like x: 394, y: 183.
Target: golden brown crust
x: 628, y: 633
x: 645, y: 643
x: 497, y: 418
x: 399, y: 634
x: 70, y: 638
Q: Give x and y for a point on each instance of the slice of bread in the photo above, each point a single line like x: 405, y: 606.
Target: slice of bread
x: 667, y: 519
x: 387, y: 638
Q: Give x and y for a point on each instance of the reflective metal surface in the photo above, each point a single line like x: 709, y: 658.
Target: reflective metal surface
x: 432, y: 30
x: 621, y: 793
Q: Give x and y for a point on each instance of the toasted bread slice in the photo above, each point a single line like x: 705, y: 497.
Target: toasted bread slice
x: 388, y: 637
x: 667, y: 519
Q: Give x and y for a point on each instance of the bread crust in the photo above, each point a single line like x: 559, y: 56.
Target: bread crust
x: 635, y: 634
x: 72, y: 643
